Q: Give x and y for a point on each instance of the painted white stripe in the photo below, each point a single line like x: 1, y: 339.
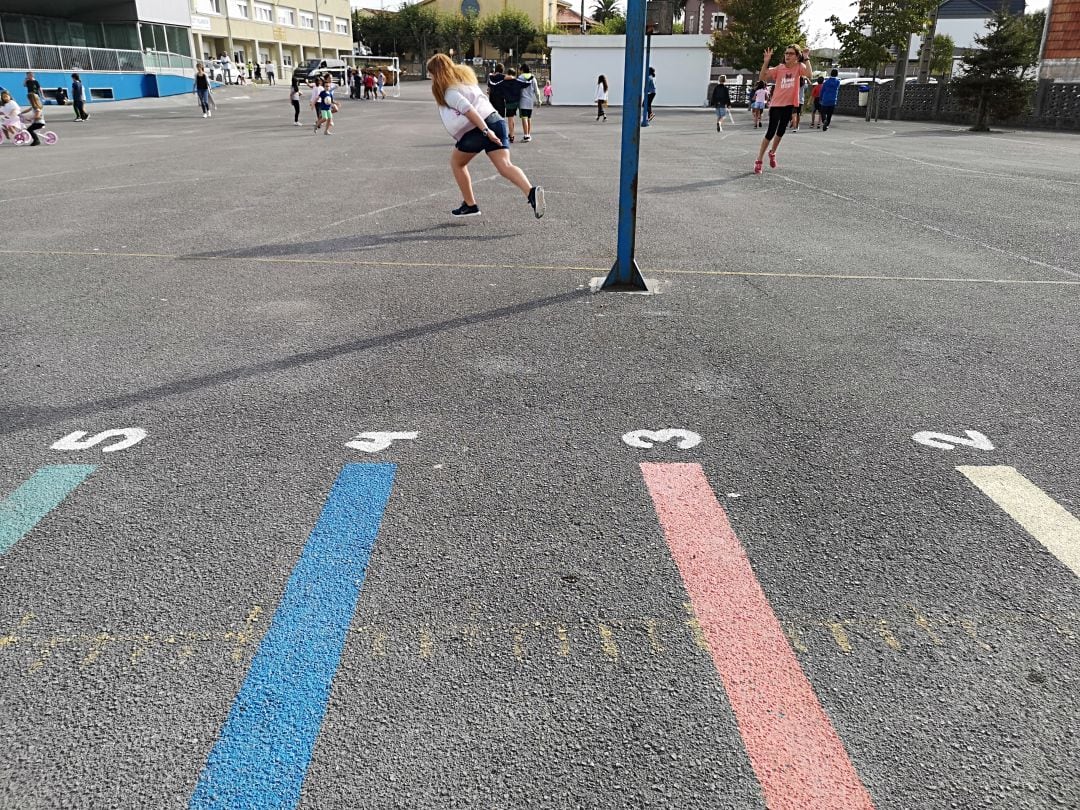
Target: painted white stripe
x: 1043, y: 517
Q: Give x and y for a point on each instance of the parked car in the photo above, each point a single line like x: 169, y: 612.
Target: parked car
x: 215, y: 70
x: 315, y: 67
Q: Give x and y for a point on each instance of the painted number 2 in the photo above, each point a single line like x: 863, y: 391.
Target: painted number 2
x: 129, y: 437
x: 943, y: 441
x: 644, y: 439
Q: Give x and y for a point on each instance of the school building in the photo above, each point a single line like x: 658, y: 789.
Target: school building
x: 284, y: 34
x: 126, y: 49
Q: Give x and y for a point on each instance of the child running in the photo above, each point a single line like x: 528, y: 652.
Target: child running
x: 785, y: 97
x: 473, y: 123
x: 326, y: 106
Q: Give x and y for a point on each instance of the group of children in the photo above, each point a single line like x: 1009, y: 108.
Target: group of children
x: 366, y: 84
x: 15, y: 119
x: 823, y: 97
x: 514, y: 94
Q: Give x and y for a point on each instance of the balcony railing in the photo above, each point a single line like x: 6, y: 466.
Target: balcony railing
x: 19, y: 56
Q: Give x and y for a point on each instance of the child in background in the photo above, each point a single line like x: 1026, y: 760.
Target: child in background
x: 548, y: 92
x: 35, y: 117
x: 761, y: 97
x: 511, y: 90
x: 721, y: 100
x: 326, y: 106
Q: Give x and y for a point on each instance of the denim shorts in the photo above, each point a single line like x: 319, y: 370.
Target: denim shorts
x: 475, y: 140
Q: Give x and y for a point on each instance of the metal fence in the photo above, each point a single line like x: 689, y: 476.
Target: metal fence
x: 19, y: 56
x: 1054, y: 105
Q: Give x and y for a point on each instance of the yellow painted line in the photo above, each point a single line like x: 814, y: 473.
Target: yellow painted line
x: 552, y: 267
x: 1040, y: 515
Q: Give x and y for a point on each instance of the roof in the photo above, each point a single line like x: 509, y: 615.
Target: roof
x: 978, y: 9
x: 568, y: 16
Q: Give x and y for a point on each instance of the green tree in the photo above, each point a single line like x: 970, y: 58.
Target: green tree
x: 879, y: 26
x: 612, y: 25
x: 459, y: 32
x: 1035, y: 22
x: 605, y: 9
x: 509, y: 30
x: 417, y: 29
x: 753, y: 26
x: 996, y: 81
x: 377, y: 31
x: 941, y: 56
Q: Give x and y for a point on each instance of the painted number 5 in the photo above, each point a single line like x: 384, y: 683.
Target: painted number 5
x: 644, y: 439
x: 943, y: 441
x: 129, y: 437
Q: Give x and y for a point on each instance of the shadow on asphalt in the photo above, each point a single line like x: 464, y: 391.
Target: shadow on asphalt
x: 695, y: 186
x: 13, y: 420
x: 344, y: 244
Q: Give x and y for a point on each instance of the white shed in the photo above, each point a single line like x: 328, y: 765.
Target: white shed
x: 683, y: 64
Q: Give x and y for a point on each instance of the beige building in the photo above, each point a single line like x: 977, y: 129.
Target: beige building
x: 543, y: 13
x: 284, y: 34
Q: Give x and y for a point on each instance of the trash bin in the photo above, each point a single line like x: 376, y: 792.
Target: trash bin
x: 864, y: 94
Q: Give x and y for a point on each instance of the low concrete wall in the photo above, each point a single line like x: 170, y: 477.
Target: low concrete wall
x: 683, y: 65
x: 123, y: 85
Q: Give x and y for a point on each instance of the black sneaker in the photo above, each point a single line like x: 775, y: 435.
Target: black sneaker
x: 536, y: 200
x: 466, y: 210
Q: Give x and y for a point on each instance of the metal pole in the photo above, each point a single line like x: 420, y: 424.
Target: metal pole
x: 648, y: 59
x: 624, y: 273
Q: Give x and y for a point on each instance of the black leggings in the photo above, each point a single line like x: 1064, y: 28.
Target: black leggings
x: 600, y: 110
x: 778, y: 121
x: 33, y: 128
x: 296, y: 111
x: 826, y: 115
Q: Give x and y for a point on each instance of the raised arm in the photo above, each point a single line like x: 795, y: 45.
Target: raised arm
x: 807, y: 71
x: 764, y: 75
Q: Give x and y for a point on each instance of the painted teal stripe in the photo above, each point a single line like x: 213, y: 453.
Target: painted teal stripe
x: 38, y: 496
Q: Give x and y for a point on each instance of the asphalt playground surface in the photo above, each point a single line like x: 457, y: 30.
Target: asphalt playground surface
x: 253, y: 297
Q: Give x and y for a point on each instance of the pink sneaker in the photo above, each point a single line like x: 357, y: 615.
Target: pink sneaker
x: 757, y: 167
x: 772, y: 160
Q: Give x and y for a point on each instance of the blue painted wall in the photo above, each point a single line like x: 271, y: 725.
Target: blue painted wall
x: 124, y: 85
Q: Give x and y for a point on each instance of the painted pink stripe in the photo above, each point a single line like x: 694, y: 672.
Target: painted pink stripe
x: 795, y: 751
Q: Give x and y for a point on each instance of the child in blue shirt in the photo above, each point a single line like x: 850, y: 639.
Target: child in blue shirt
x: 325, y: 106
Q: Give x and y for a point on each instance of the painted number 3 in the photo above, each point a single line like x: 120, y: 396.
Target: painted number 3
x: 644, y: 439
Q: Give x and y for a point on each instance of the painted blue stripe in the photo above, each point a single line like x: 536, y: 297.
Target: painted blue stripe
x: 260, y: 759
x: 43, y: 492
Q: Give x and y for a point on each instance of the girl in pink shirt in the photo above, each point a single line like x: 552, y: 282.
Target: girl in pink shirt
x: 785, y: 97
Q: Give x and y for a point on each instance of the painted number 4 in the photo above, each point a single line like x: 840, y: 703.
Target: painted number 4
x: 943, y: 441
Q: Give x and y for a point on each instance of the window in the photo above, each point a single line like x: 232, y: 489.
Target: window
x: 718, y: 21
x: 264, y: 13
x: 286, y: 16
x: 341, y: 26
x: 324, y: 23
x: 307, y: 20
x: 239, y: 8
x: 286, y: 59
x: 208, y: 6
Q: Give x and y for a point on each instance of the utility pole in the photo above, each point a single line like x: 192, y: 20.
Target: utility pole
x: 926, y: 53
